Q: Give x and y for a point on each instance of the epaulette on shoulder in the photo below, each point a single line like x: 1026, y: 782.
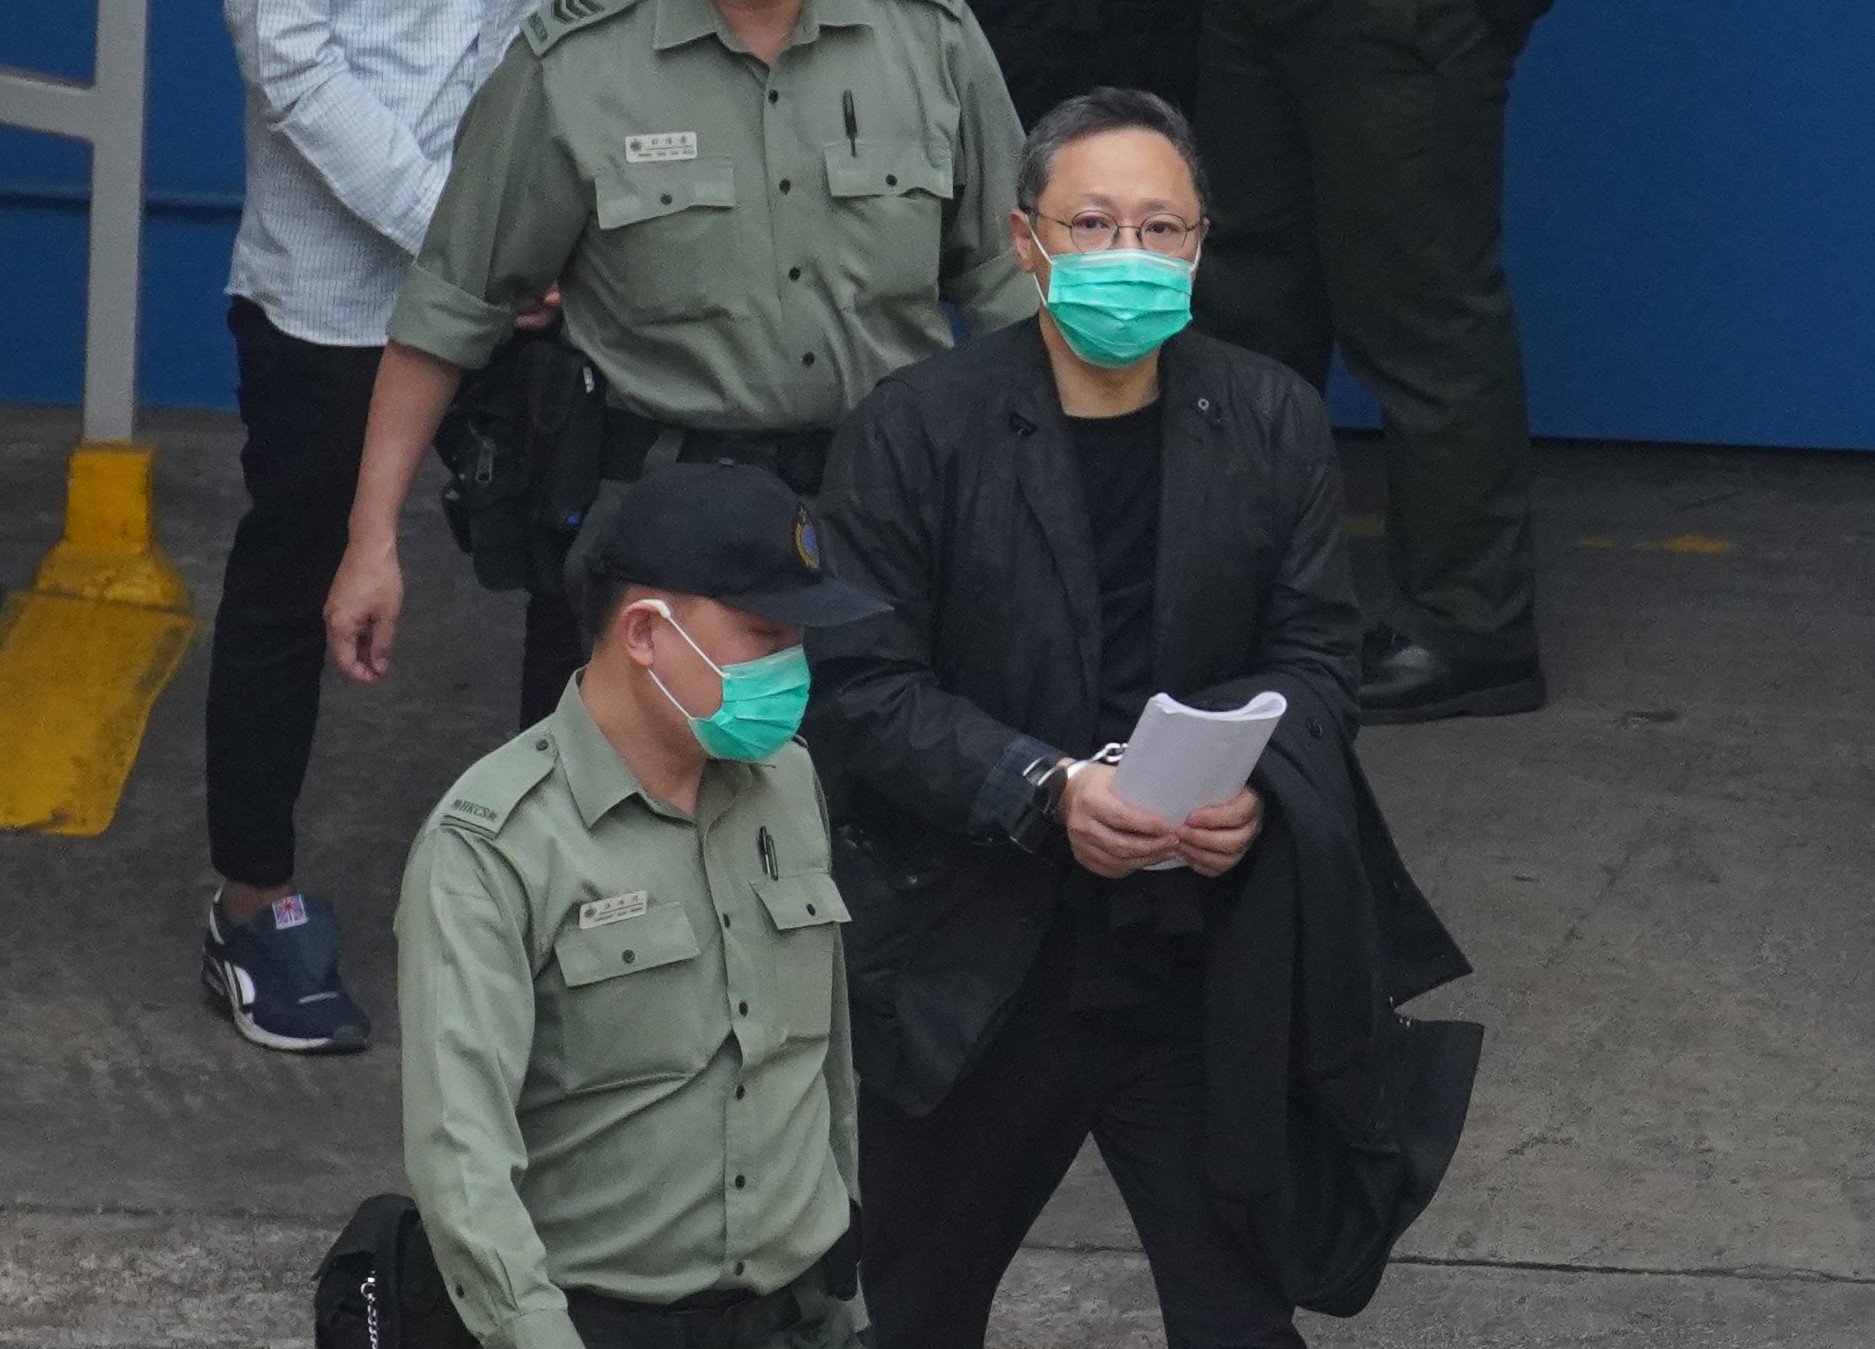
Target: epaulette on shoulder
x: 954, y: 8
x: 555, y: 19
x: 487, y: 794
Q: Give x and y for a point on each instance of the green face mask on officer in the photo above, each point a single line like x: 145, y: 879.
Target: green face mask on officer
x: 763, y: 699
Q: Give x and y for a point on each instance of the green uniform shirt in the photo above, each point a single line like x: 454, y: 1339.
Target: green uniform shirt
x: 728, y: 255
x: 626, y: 1056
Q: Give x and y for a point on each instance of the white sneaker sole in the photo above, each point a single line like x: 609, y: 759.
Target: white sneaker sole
x: 228, y: 983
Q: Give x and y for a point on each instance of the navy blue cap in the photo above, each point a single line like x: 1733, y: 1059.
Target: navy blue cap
x: 729, y: 532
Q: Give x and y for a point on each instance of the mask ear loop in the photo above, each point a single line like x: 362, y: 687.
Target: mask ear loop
x: 1035, y: 239
x: 663, y: 610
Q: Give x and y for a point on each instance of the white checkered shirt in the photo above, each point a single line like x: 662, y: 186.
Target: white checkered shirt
x: 352, y: 108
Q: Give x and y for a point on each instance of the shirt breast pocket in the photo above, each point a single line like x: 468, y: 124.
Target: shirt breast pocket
x: 667, y: 233
x: 806, y: 912
x: 632, y: 1011
x: 888, y: 205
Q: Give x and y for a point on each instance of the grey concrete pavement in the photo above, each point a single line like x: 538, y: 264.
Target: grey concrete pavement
x: 1663, y: 879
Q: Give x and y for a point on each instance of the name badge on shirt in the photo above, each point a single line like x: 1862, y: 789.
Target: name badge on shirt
x: 613, y: 909
x: 660, y: 146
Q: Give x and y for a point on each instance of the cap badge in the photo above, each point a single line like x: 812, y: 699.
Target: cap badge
x: 806, y: 542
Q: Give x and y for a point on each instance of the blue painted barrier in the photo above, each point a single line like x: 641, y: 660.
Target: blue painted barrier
x: 1687, y: 201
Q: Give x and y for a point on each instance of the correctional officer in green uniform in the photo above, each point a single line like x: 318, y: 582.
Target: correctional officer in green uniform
x: 628, y: 1088
x: 751, y: 210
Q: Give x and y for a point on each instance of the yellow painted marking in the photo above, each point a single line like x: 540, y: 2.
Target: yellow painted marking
x: 1700, y: 545
x: 1367, y: 527
x: 84, y: 654
x: 109, y: 550
x: 77, y: 681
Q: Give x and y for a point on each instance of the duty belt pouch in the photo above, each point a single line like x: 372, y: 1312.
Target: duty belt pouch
x: 379, y: 1288
x: 522, y: 443
x: 482, y: 440
x: 566, y: 441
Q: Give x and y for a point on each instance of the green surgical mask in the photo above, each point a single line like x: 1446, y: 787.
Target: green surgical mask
x: 763, y: 701
x: 1119, y: 305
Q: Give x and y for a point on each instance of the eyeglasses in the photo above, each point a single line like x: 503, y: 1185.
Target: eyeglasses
x: 1092, y: 231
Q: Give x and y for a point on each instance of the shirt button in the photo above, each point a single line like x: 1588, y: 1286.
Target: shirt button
x: 540, y: 744
x: 773, y: 97
x: 786, y: 186
x: 742, y: 1182
x: 665, y: 198
x: 725, y: 920
x: 794, y: 274
x: 629, y: 956
x: 810, y: 910
x: 740, y: 1266
x: 742, y: 1008
x: 891, y: 180
x: 741, y: 1092
x: 807, y: 359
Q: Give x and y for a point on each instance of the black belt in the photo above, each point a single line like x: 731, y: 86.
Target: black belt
x: 707, y: 1321
x: 634, y: 444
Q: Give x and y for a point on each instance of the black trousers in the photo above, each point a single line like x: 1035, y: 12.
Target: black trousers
x: 1356, y: 157
x: 553, y: 649
x: 950, y: 1196
x: 1054, y: 49
x: 304, y: 409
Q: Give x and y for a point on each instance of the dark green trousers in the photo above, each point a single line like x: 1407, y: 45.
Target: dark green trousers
x: 1355, y: 149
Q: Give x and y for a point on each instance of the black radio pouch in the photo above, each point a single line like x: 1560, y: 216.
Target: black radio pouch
x: 522, y: 443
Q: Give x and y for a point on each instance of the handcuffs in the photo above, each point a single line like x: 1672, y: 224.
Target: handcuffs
x: 1048, y: 778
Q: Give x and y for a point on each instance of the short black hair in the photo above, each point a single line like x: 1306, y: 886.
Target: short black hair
x: 605, y: 595
x: 1089, y: 114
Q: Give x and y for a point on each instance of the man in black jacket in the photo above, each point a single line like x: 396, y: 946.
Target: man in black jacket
x: 1069, y: 516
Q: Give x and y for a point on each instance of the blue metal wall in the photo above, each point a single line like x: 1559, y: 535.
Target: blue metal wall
x: 1689, y: 199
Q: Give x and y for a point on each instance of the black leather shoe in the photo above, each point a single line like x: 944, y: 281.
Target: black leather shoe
x: 1402, y: 681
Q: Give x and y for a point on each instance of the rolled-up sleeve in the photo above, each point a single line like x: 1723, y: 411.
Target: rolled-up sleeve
x: 977, y: 270
x: 465, y: 995
x: 510, y: 214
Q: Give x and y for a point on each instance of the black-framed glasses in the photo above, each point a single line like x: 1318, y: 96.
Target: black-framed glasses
x: 1092, y: 231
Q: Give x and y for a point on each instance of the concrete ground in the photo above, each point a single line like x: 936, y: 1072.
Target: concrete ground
x: 1663, y: 879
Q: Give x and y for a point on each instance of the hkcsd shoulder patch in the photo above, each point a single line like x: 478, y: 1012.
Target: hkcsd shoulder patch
x: 555, y: 19
x: 484, y: 796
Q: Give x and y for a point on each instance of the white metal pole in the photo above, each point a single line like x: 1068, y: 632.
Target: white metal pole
x: 110, y: 115
x: 116, y: 221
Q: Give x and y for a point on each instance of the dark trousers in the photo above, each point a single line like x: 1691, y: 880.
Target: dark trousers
x: 304, y: 409
x: 1356, y: 156
x: 949, y: 1196
x: 1054, y: 49
x: 552, y: 650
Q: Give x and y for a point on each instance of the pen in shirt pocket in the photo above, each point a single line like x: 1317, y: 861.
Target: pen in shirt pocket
x: 851, y: 118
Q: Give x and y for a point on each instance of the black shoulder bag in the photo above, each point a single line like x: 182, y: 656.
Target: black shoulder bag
x: 379, y: 1288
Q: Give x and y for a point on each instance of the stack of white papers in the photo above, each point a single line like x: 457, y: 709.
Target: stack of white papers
x: 1181, y: 759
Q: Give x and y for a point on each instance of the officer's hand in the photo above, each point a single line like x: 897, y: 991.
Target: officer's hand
x: 1215, y: 839
x: 361, y: 613
x: 531, y: 318
x: 1110, y: 837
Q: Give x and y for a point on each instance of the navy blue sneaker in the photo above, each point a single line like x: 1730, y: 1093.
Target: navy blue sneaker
x: 277, y: 977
